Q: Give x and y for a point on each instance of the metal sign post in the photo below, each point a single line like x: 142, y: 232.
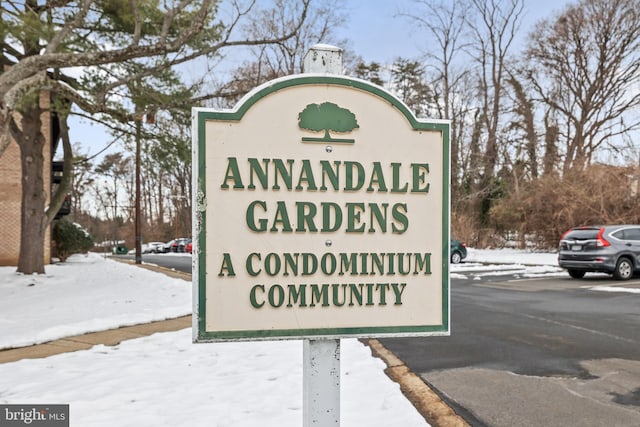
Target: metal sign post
x: 321, y: 382
x: 321, y: 357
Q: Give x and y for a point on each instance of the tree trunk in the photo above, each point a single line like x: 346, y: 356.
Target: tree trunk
x: 551, y: 146
x: 160, y: 200
x: 524, y: 108
x: 32, y: 236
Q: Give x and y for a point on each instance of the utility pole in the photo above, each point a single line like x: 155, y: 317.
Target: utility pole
x: 138, y: 223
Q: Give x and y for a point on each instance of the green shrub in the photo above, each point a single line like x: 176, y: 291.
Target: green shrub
x: 70, y: 239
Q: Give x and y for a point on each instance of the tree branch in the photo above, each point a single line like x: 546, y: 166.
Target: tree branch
x: 61, y: 35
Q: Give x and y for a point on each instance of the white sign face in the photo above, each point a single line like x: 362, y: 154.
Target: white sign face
x: 322, y: 210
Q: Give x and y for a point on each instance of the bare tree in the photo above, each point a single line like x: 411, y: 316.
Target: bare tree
x: 584, y: 64
x: 470, y: 92
x: 285, y: 57
x: 494, y: 25
x: 117, y: 188
x: 494, y: 31
x: 269, y: 61
x: 445, y: 24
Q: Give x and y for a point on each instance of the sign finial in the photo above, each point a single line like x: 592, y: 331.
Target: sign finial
x: 323, y: 58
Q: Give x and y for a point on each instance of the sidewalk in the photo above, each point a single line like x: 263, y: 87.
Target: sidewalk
x: 427, y: 402
x: 86, y: 341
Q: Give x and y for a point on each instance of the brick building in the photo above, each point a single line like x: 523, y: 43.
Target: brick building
x: 11, y: 194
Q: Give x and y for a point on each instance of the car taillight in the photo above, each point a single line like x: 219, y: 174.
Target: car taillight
x: 601, y: 241
x: 560, y: 244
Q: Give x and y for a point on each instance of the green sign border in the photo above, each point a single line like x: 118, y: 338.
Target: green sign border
x: 199, y: 277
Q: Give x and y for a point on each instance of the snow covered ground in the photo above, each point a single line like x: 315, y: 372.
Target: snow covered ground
x: 481, y: 262
x: 164, y: 379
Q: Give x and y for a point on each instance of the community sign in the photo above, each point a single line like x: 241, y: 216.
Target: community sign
x: 321, y: 209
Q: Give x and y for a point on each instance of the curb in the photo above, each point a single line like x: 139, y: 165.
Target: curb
x: 424, y: 399
x: 157, y: 268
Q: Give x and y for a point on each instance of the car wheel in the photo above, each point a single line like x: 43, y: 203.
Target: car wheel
x: 624, y: 269
x: 456, y: 258
x: 576, y: 274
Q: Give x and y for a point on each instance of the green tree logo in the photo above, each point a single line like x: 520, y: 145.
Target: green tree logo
x: 327, y: 117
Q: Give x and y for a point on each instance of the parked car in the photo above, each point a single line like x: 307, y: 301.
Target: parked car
x: 182, y: 245
x: 611, y: 249
x: 166, y: 247
x: 458, y: 251
x: 120, y: 250
x: 177, y: 245
x: 152, y: 247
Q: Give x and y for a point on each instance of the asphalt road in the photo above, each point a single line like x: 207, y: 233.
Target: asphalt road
x: 535, y: 352
x: 178, y: 262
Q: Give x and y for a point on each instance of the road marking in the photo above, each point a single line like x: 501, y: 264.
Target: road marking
x: 555, y: 322
x: 579, y: 328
